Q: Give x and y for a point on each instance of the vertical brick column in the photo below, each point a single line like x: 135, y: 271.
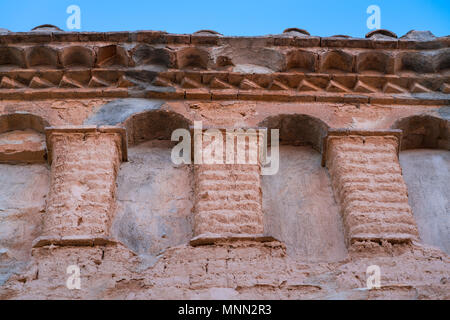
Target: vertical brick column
x: 228, y: 199
x: 368, y: 184
x: 84, y: 165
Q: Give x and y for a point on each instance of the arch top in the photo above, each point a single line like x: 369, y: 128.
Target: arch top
x: 154, y: 125
x: 298, y: 129
x: 143, y: 119
x: 22, y: 138
x: 424, y: 131
x: 22, y: 121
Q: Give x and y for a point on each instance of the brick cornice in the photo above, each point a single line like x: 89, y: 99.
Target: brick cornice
x: 162, y: 37
x: 50, y: 131
x: 208, y: 66
x: 336, y: 133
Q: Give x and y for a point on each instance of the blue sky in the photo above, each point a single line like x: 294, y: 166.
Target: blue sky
x: 231, y: 17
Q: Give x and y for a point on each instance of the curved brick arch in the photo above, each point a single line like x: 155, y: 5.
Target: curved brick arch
x: 22, y: 121
x: 424, y: 131
x: 425, y: 162
x: 77, y: 56
x: 12, y: 57
x: 298, y: 129
x: 41, y: 56
x: 192, y: 58
x: 336, y: 61
x: 154, y: 124
x: 22, y: 138
x: 374, y: 61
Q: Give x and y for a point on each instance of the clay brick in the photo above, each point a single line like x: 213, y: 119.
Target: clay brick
x: 84, y: 165
x: 373, y: 209
x: 228, y: 200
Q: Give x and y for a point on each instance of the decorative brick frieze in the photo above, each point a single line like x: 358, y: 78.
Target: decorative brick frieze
x: 209, y: 66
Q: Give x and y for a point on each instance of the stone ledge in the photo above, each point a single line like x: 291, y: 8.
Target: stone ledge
x: 221, y: 95
x: 57, y: 93
x: 391, y: 238
x: 80, y: 241
x: 87, y: 129
x: 23, y: 156
x: 212, y: 238
x: 397, y: 133
x: 162, y: 37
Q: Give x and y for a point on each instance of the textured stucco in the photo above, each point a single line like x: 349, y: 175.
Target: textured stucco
x: 427, y: 176
x: 308, y: 232
x: 154, y: 200
x: 23, y: 191
x: 299, y: 207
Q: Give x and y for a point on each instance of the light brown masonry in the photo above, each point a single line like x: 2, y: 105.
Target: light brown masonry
x: 228, y: 197
x: 84, y: 165
x: 368, y: 184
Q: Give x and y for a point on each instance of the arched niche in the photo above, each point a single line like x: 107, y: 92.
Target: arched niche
x: 25, y: 181
x: 425, y: 162
x: 424, y: 131
x: 153, y: 125
x: 154, y: 196
x: 336, y: 61
x: 298, y: 202
x: 192, y: 58
x: 22, y: 138
x: 298, y: 129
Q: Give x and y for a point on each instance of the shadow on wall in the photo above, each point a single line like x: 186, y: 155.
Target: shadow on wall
x: 298, y: 129
x: 425, y: 161
x: 154, y: 196
x: 424, y: 131
x: 22, y: 138
x: 25, y: 182
x: 298, y: 202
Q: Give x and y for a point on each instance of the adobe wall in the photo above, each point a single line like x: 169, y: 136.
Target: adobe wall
x: 87, y: 178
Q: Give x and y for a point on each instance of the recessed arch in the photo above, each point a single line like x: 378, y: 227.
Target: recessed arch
x: 24, y: 187
x: 41, y: 56
x: 22, y: 138
x: 112, y: 55
x: 298, y: 203
x: 77, y: 56
x: 336, y: 60
x: 149, y: 55
x: 154, y: 196
x: 374, y: 61
x: 443, y: 60
x: 425, y: 162
x: 22, y: 121
x: 154, y: 125
x: 416, y: 62
x: 298, y: 129
x: 424, y: 131
x: 12, y: 57
x: 300, y: 60
x: 192, y: 58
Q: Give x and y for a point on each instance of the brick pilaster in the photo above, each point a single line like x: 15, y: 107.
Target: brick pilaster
x: 228, y: 198
x: 84, y: 165
x: 368, y: 184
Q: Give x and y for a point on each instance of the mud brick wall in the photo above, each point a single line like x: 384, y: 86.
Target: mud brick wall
x: 75, y: 102
x: 82, y: 192
x: 369, y: 185
x: 228, y: 199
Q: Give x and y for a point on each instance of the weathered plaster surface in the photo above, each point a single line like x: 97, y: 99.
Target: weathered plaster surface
x: 427, y: 176
x: 308, y: 232
x: 299, y: 207
x: 154, y: 200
